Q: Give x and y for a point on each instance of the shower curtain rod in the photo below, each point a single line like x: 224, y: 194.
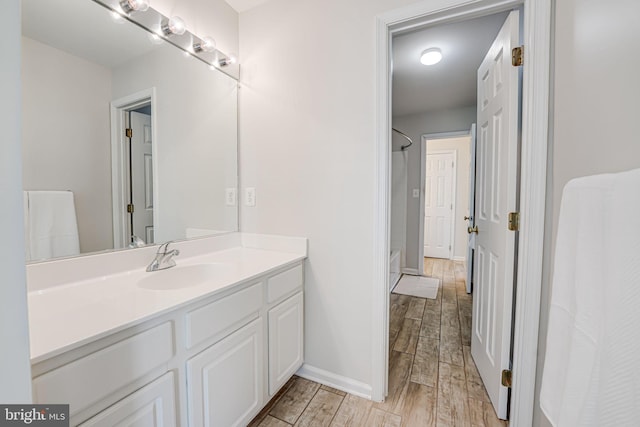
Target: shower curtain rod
x: 404, y: 147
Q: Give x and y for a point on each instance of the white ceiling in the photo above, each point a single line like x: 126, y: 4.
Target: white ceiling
x: 452, y: 82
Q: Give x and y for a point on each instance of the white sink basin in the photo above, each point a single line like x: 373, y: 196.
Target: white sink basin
x: 181, y: 277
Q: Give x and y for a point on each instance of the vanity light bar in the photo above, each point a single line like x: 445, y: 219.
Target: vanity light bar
x: 173, y: 30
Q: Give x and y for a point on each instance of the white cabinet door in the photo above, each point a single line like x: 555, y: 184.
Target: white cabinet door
x: 225, y: 381
x: 151, y: 406
x: 286, y: 343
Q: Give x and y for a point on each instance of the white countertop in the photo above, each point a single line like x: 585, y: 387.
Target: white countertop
x: 66, y: 316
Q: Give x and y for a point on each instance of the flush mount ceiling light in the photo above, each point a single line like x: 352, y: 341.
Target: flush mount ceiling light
x: 174, y: 25
x: 207, y: 44
x: 431, y: 56
x: 129, y: 6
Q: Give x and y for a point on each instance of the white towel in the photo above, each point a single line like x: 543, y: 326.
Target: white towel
x: 51, y: 223
x: 591, y: 372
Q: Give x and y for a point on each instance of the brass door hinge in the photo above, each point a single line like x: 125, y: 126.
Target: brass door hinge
x: 517, y: 56
x: 506, y: 378
x: 514, y: 221
x: 130, y: 208
x: 128, y: 133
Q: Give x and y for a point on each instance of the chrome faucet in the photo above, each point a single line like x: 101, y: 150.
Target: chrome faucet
x: 164, y: 258
x: 136, y: 242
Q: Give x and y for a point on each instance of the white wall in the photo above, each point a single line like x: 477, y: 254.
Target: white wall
x: 196, y: 124
x: 65, y: 135
x: 15, y: 369
x: 415, y: 126
x: 462, y: 148
x: 307, y: 131
x: 205, y: 18
x: 596, y: 108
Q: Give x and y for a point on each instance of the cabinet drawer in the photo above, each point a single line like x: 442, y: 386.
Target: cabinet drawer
x: 152, y: 405
x: 87, y: 380
x: 221, y: 317
x: 284, y: 283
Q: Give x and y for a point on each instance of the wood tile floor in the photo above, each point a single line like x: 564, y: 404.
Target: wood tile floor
x: 432, y: 378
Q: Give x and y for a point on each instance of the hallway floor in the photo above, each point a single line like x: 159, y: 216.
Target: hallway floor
x: 432, y: 378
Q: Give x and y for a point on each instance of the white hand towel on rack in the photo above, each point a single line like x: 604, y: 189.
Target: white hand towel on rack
x: 591, y: 375
x: 51, y: 223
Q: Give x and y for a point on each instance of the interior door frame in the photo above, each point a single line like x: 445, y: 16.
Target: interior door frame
x: 471, y: 221
x: 535, y: 127
x: 119, y: 174
x: 423, y: 176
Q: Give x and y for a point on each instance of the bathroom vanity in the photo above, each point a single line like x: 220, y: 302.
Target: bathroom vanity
x: 205, y: 343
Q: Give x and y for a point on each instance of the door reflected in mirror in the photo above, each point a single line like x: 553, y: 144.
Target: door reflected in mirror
x: 138, y: 169
x: 87, y: 78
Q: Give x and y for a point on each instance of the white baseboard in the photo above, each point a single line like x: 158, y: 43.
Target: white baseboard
x: 348, y: 385
x: 459, y: 258
x: 412, y: 271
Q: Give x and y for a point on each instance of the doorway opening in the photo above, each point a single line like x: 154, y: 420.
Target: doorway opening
x: 536, y: 84
x: 133, y: 146
x: 480, y: 75
x: 439, y: 206
x: 445, y: 174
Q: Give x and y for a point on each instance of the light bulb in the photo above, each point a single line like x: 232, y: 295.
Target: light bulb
x: 117, y: 17
x: 207, y: 44
x: 154, y: 38
x: 129, y: 6
x: 175, y: 25
x: 431, y: 56
x: 231, y: 59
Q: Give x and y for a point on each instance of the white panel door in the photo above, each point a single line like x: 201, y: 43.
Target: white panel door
x: 225, y: 381
x: 142, y: 176
x: 471, y: 243
x: 438, y: 204
x: 496, y: 186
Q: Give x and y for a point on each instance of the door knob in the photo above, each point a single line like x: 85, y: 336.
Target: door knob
x: 473, y: 229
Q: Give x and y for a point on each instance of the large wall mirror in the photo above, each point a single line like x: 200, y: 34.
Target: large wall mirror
x: 123, y: 134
